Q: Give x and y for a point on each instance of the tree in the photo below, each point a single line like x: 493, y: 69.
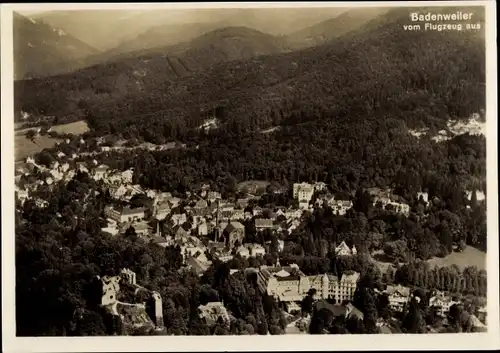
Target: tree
x: 414, y: 321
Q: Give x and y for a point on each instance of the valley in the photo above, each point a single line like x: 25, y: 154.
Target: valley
x: 251, y: 177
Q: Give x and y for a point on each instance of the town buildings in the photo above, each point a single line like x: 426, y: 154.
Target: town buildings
x: 125, y: 214
x: 441, y: 303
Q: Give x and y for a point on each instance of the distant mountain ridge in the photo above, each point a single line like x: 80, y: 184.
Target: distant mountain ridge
x: 380, y: 67
x: 40, y: 50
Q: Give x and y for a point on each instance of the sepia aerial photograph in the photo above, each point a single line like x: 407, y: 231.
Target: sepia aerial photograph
x: 250, y: 171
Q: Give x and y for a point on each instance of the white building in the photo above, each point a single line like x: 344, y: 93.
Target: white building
x: 398, y: 296
x: 344, y: 250
x: 212, y: 311
x: 303, y: 192
x: 101, y: 172
x: 441, y: 303
x: 290, y: 284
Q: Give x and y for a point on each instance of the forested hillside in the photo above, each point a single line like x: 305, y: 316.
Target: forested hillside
x: 385, y: 69
x: 325, y: 31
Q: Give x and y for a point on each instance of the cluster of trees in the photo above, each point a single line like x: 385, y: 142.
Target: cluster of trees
x: 60, y: 250
x: 470, y: 280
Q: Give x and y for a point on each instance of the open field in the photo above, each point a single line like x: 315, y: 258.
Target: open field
x: 469, y: 257
x: 25, y: 147
x: 77, y: 128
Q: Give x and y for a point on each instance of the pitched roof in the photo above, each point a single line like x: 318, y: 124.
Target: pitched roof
x: 404, y: 291
x: 336, y: 310
x: 201, y: 204
x: 234, y: 226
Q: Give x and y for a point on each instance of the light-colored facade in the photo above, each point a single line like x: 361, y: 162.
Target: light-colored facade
x: 212, y: 311
x: 398, y: 297
x: 344, y: 250
x: 303, y: 192
x: 441, y: 303
x: 290, y: 284
x: 263, y: 223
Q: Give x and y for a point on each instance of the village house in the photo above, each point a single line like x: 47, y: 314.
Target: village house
x: 242, y: 203
x: 255, y: 250
x: 111, y: 228
x: 212, y: 312
x: 125, y: 214
x: 161, y: 211
x: 398, y: 297
x: 202, y: 229
x: 344, y: 250
x: 82, y: 167
x: 178, y: 232
x: 441, y: 303
x: 234, y: 232
x: 292, y: 225
x: 236, y: 215
x: 303, y: 192
x: 243, y: 252
x: 174, y: 202
x: 347, y: 311
x: 281, y: 244
x: 320, y: 186
x: 22, y: 195
x: 101, y: 172
x: 387, y: 201
x: 213, y: 196
x: 178, y: 219
x: 222, y: 254
x: 127, y: 176
x: 142, y: 229
x: 263, y: 223
x: 135, y: 314
x: 424, y: 196
x: 200, y: 205
x: 257, y: 211
x: 194, y: 249
x: 199, y: 264
x: 65, y: 167
x: 340, y: 207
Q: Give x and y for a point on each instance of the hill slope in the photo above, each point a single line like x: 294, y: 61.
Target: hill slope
x: 120, y: 30
x: 382, y: 68
x: 135, y: 73
x: 40, y: 50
